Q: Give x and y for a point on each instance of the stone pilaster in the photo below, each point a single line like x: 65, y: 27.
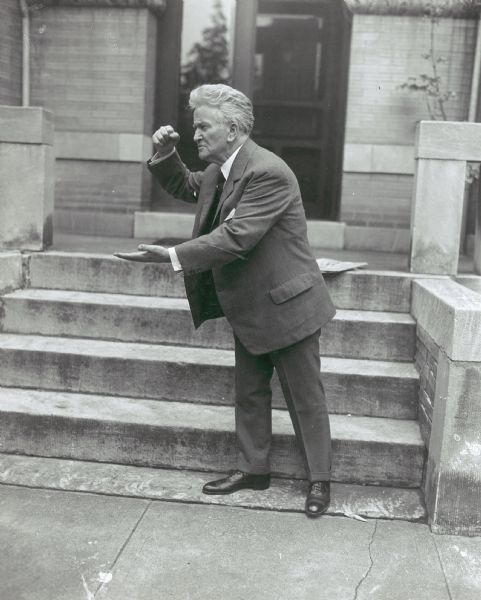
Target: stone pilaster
x: 450, y: 315
x: 442, y: 151
x: 26, y: 178
x: 477, y: 236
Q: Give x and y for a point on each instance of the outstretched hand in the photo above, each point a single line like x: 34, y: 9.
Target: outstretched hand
x: 146, y: 253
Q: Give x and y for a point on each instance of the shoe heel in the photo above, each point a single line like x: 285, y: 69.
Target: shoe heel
x: 262, y: 485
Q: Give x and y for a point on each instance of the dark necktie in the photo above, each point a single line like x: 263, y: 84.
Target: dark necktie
x: 214, y: 216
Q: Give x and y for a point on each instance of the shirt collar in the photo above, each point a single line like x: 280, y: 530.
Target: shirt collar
x: 227, y: 166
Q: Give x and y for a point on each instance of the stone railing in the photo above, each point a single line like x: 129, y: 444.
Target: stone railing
x: 442, y: 151
x: 26, y: 178
x: 448, y: 319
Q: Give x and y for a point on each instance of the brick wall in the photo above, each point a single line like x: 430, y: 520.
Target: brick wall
x: 426, y: 363
x: 10, y: 53
x: 116, y: 185
x: 385, y: 51
x: 376, y: 199
x: 99, y: 197
x: 89, y: 67
x: 95, y: 69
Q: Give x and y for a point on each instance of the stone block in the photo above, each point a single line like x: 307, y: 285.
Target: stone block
x: 93, y: 223
x: 162, y: 225
x: 378, y: 158
x: 383, y: 239
x: 451, y: 314
x: 20, y: 125
x: 326, y: 234
x: 449, y: 319
x: 94, y: 145
x: 448, y: 140
x: 26, y: 178
x: 453, y: 480
x: 436, y: 216
x: 11, y: 276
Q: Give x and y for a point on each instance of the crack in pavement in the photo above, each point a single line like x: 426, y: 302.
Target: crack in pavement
x: 441, y: 564
x: 101, y: 585
x: 366, y: 574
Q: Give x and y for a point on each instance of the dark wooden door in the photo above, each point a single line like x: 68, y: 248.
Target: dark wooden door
x: 291, y: 58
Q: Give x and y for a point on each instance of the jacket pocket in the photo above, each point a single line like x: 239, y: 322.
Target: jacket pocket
x: 292, y: 288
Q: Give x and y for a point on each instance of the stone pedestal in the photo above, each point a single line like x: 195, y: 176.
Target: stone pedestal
x: 26, y: 178
x: 437, y: 212
x: 449, y: 315
x: 442, y: 151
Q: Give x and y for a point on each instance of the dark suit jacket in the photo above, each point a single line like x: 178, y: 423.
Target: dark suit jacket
x: 267, y: 282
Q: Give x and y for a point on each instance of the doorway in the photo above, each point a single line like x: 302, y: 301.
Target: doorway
x: 291, y: 58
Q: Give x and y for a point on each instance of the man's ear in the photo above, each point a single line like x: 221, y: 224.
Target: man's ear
x: 233, y: 132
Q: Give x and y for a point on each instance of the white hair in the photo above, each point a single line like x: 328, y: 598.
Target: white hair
x: 234, y: 106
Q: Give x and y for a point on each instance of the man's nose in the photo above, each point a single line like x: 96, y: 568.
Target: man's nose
x: 196, y: 136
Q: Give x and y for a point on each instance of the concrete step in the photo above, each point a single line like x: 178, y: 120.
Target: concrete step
x: 358, y: 387
x: 286, y: 495
x: 156, y: 433
x: 355, y: 334
x: 358, y: 290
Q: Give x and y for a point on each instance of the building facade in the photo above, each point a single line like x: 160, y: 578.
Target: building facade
x: 338, y: 88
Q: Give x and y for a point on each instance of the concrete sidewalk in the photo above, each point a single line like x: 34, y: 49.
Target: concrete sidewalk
x: 78, y: 546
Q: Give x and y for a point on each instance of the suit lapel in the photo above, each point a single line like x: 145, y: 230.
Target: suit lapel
x: 209, y: 182
x: 237, y: 170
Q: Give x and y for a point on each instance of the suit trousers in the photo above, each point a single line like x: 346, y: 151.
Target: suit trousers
x: 298, y: 368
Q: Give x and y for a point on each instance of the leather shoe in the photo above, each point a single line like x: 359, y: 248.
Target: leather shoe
x: 237, y: 480
x: 318, y: 498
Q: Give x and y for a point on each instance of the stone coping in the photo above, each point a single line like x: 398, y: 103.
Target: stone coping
x: 451, y: 314
x: 156, y: 6
x: 26, y: 125
x: 443, y: 8
x: 448, y: 140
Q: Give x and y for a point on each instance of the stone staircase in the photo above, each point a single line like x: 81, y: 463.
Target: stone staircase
x: 99, y: 362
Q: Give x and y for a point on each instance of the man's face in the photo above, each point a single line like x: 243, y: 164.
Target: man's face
x: 211, y: 134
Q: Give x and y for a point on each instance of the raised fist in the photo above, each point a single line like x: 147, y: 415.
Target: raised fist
x: 165, y: 139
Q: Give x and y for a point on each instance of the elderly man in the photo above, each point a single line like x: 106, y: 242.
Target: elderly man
x: 249, y: 260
